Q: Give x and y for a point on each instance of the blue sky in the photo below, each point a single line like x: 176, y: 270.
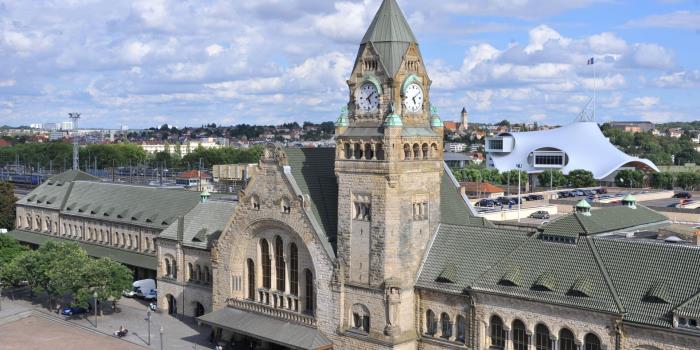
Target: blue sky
x: 144, y: 63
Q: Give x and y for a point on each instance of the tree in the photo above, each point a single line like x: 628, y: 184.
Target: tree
x: 581, y: 178
x: 58, y: 264
x: 9, y: 250
x: 552, y: 177
x: 7, y: 205
x: 688, y: 180
x: 106, y: 277
x: 511, y: 177
x: 629, y: 178
x: 662, y: 180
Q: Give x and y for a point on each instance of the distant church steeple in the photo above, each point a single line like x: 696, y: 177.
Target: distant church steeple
x: 464, y: 125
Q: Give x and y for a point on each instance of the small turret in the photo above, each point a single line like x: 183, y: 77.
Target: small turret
x: 393, y: 119
x: 342, y: 123
x: 629, y: 201
x: 464, y: 125
x: 583, y: 208
x: 204, y: 196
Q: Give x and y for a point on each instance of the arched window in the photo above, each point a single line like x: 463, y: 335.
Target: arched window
x: 168, y: 268
x: 116, y: 237
x: 433, y: 151
x: 348, y: 151
x: 47, y: 222
x: 198, y: 273
x: 519, y: 335
x: 380, y: 151
x: 369, y: 154
x: 207, y: 275
x: 566, y: 340
x: 358, y: 151
x: 38, y: 223
x: 130, y: 241
x: 446, y: 325
x: 416, y: 151
x: 279, y: 263
x: 542, y: 339
x: 251, y: 279
x: 591, y: 342
x: 461, y: 329
x: 406, y: 152
x: 123, y: 239
x: 293, y: 269
x: 29, y: 223
x: 360, y: 318
x: 425, y: 151
x: 147, y: 244
x: 285, y: 206
x: 498, y: 334
x: 309, y: 296
x: 266, y: 263
x: 430, y: 323
x: 190, y: 272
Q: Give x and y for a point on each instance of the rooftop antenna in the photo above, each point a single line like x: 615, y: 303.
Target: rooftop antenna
x: 74, y: 117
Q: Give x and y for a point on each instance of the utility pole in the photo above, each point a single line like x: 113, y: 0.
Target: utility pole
x: 520, y: 200
x: 75, y: 117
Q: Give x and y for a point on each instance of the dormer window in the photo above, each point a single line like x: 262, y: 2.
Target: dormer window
x: 285, y: 206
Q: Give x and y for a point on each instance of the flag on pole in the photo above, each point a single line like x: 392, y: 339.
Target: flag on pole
x: 590, y: 61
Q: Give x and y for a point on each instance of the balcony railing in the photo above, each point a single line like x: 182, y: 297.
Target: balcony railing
x: 270, y: 310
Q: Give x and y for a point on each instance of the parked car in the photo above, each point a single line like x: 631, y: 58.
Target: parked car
x: 684, y: 195
x: 535, y: 197
x: 140, y: 288
x: 152, y: 295
x: 540, y: 214
x: 505, y: 201
x: 487, y: 203
x: 72, y: 310
x: 589, y: 193
x: 601, y: 190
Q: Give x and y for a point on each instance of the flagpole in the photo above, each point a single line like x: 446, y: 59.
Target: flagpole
x: 595, y: 86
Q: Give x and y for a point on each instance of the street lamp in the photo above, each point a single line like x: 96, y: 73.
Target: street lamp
x: 161, y: 337
x: 94, y: 295
x: 0, y: 295
x: 520, y: 200
x: 148, y: 318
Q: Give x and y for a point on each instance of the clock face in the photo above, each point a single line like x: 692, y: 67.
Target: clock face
x: 367, y: 98
x: 414, y: 98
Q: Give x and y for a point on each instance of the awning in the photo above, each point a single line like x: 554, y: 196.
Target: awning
x: 267, y: 328
x: 125, y: 257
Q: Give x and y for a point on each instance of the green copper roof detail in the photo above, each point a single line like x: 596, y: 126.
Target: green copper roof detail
x: 546, y: 281
x: 436, y: 122
x: 448, y: 274
x: 410, y: 80
x: 393, y: 119
x: 343, y: 117
x: 583, y: 204
x: 433, y: 109
x: 389, y: 35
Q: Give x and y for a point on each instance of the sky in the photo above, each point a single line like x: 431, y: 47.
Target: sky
x: 193, y: 62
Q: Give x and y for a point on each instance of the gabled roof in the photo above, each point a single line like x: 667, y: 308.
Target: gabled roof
x: 313, y: 170
x: 390, y: 35
x: 201, y: 225
x: 136, y: 205
x: 52, y: 193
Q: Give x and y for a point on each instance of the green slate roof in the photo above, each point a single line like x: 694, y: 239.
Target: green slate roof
x: 128, y: 204
x: 453, y: 207
x: 313, y: 170
x: 95, y: 250
x: 390, y: 35
x: 53, y: 191
x: 604, y: 220
x: 690, y: 308
x: 202, y: 225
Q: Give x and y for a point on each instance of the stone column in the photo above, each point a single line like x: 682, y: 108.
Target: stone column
x: 374, y: 151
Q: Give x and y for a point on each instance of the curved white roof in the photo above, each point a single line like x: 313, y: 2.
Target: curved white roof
x: 583, y: 142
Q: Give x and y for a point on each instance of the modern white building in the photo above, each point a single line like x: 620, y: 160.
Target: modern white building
x: 580, y: 145
x: 455, y: 147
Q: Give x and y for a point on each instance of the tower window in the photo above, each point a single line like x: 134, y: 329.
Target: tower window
x: 293, y: 269
x: 279, y: 263
x: 363, y: 211
x: 416, y: 151
x: 266, y: 263
x: 425, y: 151
x: 406, y: 152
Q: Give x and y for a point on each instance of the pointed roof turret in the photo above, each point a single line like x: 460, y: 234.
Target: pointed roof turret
x: 390, y: 35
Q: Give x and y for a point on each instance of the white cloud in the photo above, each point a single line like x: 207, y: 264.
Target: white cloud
x: 652, y: 56
x: 682, y: 79
x: 645, y: 102
x: 154, y: 13
x: 135, y: 51
x: 7, y: 83
x: 541, y: 35
x: 214, y: 49
x: 689, y: 20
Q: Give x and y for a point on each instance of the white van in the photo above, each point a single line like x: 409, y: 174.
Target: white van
x: 141, y: 288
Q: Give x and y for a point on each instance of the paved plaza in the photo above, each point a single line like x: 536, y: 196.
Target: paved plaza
x: 25, y: 323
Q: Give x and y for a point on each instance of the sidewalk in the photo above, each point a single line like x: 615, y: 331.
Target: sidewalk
x: 178, y: 333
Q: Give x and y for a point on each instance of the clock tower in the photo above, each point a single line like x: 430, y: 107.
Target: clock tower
x: 389, y: 164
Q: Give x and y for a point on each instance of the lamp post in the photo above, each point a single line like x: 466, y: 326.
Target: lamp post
x: 520, y: 200
x: 148, y: 318
x: 161, y: 337
x: 94, y: 295
x: 0, y: 295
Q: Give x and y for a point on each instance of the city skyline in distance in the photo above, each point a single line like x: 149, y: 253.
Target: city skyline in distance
x: 148, y: 63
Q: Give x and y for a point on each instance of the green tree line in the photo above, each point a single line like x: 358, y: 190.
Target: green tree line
x: 474, y: 173
x: 60, y: 269
x: 661, y: 150
x: 58, y: 155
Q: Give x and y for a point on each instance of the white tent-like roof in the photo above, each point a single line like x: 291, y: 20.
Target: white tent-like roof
x: 584, y: 144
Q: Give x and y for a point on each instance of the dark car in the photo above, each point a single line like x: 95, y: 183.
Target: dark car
x: 505, y: 201
x: 72, y: 310
x: 684, y: 195
x: 601, y: 190
x: 540, y: 214
x: 487, y: 203
x: 588, y: 193
x: 535, y: 197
